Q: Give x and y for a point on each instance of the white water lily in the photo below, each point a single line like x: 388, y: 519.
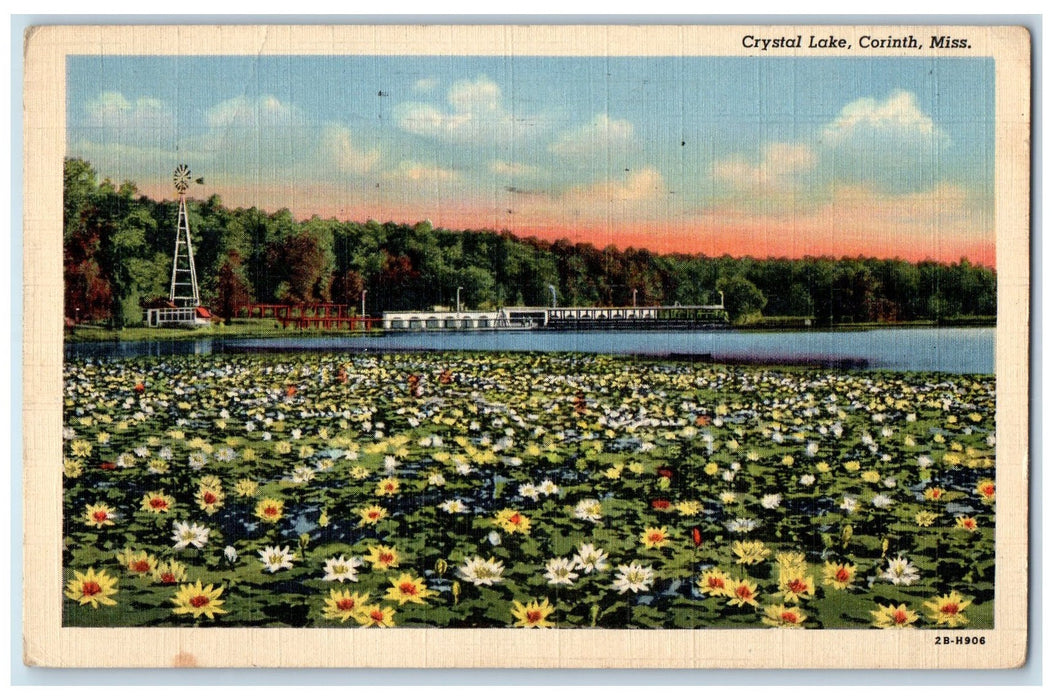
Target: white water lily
x: 341, y: 569
x: 560, y: 572
x: 481, y: 572
x: 771, y: 500
x: 881, y: 501
x: 186, y: 534
x: 741, y: 525
x: 452, y: 506
x: 633, y: 577
x: 275, y: 559
x: 900, y: 572
x: 589, y: 558
x: 588, y: 509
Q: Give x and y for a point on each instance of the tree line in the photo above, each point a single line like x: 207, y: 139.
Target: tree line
x: 118, y: 246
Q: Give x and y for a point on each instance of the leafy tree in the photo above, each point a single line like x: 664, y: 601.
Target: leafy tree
x: 118, y: 248
x: 742, y: 298
x: 300, y: 263
x: 232, y: 289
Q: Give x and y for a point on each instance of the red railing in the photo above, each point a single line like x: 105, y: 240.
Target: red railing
x: 326, y: 316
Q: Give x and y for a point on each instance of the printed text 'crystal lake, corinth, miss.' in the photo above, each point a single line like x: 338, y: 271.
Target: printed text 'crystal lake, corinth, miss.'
x: 866, y: 41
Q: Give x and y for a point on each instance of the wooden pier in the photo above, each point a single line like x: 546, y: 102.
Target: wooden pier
x: 635, y: 317
x: 343, y: 317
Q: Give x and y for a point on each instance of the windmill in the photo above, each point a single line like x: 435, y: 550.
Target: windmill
x: 183, y: 292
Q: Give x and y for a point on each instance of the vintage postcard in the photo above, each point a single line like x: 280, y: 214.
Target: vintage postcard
x: 527, y: 346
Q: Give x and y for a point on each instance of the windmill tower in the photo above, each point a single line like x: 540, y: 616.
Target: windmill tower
x: 183, y: 292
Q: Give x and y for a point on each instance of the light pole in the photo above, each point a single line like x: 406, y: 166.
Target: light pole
x: 363, y: 303
x: 459, y: 299
x: 634, y: 298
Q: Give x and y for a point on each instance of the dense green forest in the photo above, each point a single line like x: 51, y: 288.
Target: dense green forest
x: 118, y: 248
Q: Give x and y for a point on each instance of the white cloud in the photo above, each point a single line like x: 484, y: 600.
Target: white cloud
x: 600, y: 136
x: 338, y: 146
x: 897, y: 118
x: 890, y: 144
x: 127, y: 138
x: 112, y: 112
x: 639, y: 196
x: 243, y: 138
x: 636, y: 187
x: 427, y: 120
x: 261, y: 136
x: 426, y: 84
x: 781, y: 164
x: 482, y: 96
x: 473, y: 113
x: 266, y: 111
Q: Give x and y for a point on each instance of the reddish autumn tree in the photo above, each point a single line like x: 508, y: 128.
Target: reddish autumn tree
x: 232, y: 290
x: 300, y: 262
x: 347, y: 288
x: 88, y: 296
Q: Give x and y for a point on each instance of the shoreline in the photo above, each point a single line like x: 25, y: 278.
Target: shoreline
x: 877, y: 351
x: 260, y: 330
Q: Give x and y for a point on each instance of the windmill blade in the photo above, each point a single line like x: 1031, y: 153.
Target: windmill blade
x: 181, y: 177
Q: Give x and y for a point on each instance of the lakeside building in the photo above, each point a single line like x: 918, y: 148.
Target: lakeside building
x: 508, y: 318
x: 561, y: 318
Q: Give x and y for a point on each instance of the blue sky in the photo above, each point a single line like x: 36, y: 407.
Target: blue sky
x: 733, y: 154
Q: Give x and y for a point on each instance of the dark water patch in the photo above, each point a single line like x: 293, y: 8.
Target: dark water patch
x: 840, y: 363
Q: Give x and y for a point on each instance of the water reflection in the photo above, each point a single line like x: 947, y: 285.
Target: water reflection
x: 953, y: 350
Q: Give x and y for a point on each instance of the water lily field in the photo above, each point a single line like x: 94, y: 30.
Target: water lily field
x: 523, y: 490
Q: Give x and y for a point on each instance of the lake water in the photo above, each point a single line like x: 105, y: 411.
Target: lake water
x: 952, y: 350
